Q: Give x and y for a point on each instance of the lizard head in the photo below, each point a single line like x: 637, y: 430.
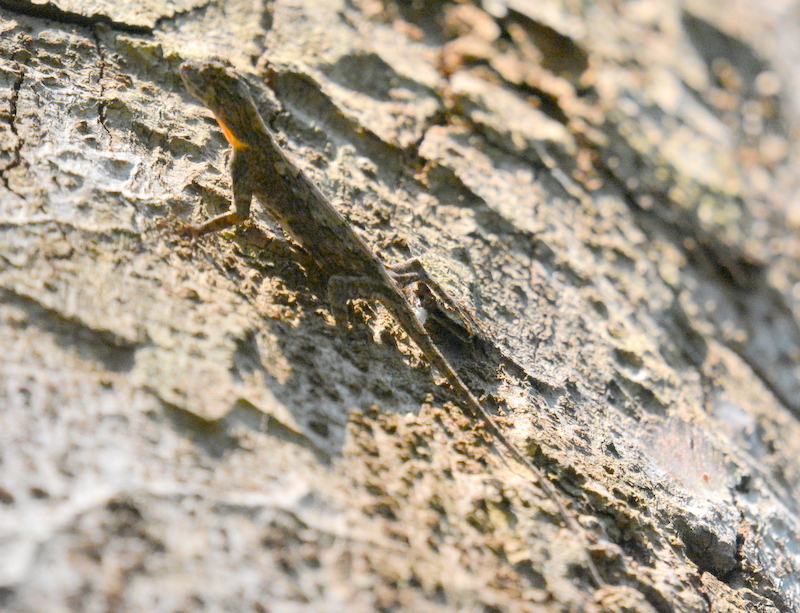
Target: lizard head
x: 217, y: 84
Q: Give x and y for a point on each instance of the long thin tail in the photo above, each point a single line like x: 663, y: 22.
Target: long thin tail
x: 414, y: 329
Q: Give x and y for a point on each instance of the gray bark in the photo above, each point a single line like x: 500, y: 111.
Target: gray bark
x: 609, y: 189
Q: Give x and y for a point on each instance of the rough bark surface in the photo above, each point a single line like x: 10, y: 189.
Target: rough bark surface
x: 609, y: 187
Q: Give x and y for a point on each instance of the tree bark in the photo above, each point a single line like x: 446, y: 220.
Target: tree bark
x: 609, y: 189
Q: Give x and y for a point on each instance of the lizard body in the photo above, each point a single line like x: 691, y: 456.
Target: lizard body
x: 260, y: 168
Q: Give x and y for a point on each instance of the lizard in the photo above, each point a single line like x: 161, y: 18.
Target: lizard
x: 261, y: 169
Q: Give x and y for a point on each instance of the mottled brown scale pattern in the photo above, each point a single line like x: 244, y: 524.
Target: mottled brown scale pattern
x: 259, y: 168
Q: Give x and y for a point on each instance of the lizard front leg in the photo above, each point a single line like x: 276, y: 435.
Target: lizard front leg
x: 242, y: 184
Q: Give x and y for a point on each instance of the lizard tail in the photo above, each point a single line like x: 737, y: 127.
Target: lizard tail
x: 419, y: 335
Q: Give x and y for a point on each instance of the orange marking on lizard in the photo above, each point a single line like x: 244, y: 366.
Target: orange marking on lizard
x: 235, y: 142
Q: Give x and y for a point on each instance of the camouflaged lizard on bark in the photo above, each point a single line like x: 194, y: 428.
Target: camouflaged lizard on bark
x: 259, y: 168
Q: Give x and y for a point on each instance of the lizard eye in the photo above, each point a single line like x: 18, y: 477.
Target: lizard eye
x: 209, y: 93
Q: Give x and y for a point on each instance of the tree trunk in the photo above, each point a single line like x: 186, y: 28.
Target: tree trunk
x: 609, y: 190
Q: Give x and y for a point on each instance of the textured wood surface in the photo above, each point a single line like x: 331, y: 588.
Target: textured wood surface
x: 609, y: 188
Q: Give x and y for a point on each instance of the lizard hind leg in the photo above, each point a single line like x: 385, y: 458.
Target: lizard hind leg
x: 341, y: 290
x: 413, y: 271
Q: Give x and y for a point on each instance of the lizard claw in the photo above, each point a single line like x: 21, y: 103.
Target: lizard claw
x: 189, y: 231
x: 175, y: 225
